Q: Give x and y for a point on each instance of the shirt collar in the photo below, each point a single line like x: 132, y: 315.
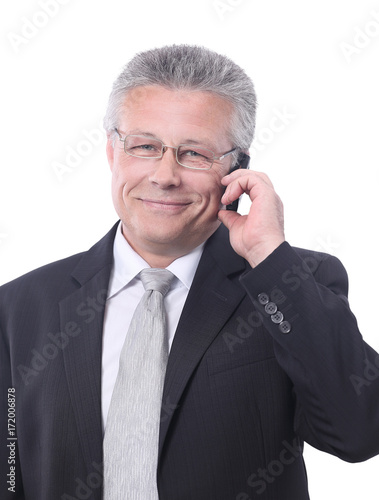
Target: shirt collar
x: 127, y: 264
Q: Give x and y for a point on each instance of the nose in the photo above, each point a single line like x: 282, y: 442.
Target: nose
x: 166, y: 170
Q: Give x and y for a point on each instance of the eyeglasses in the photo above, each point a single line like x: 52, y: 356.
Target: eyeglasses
x: 187, y: 155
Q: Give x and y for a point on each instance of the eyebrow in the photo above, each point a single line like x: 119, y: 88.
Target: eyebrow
x: 141, y: 132
x: 205, y: 143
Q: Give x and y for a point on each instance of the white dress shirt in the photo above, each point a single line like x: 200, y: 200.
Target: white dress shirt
x: 124, y: 293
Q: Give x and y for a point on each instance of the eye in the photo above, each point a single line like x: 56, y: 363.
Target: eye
x: 198, y: 153
x: 145, y: 147
x: 191, y: 153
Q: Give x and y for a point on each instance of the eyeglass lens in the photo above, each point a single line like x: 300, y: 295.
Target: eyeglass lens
x: 191, y: 156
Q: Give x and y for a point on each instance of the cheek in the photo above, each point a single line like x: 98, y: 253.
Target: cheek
x: 215, y: 196
x: 124, y: 178
x: 213, y: 190
x: 117, y: 183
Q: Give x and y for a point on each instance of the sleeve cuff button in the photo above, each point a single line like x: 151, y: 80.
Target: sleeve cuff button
x: 271, y: 308
x: 277, y: 317
x: 263, y: 299
x: 285, y: 327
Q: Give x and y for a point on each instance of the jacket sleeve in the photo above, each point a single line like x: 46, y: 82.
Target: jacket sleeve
x: 335, y: 374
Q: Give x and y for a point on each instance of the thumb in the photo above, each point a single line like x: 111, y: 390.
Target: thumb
x: 228, y: 217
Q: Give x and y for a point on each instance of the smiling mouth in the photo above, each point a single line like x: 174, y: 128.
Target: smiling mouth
x: 165, y: 204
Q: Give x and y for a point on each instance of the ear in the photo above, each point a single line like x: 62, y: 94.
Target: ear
x: 110, y: 150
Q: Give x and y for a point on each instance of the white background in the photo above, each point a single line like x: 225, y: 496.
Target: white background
x: 310, y: 60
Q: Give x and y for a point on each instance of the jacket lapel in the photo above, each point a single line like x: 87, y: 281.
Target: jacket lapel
x: 212, y: 299
x: 82, y: 312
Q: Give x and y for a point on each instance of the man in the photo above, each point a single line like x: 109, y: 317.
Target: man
x: 264, y: 352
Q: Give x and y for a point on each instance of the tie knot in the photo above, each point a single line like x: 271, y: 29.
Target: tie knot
x: 158, y: 280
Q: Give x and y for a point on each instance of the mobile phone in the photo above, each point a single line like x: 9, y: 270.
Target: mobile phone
x: 242, y: 162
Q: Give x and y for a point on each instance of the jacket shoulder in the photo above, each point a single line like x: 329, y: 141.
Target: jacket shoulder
x: 49, y: 275
x: 325, y: 267
x: 59, y: 276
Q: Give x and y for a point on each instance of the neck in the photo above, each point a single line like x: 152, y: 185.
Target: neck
x: 160, y: 257
x: 157, y: 261
x: 161, y: 254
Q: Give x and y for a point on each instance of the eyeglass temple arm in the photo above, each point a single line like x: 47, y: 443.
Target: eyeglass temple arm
x: 226, y: 154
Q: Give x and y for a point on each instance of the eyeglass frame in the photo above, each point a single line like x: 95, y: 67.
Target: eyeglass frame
x: 164, y: 149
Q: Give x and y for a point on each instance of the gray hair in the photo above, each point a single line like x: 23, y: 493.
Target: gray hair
x: 187, y: 67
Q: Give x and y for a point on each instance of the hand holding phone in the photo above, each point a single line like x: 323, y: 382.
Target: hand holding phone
x: 256, y: 234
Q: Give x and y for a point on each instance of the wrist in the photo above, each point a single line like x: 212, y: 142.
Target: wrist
x: 261, y: 251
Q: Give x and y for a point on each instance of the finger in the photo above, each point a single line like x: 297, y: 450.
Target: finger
x: 228, y: 217
x: 242, y: 184
x: 232, y: 193
x: 248, y: 174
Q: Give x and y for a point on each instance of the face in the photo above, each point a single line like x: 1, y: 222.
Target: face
x: 167, y: 209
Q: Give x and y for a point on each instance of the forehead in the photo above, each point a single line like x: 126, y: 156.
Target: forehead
x: 176, y: 112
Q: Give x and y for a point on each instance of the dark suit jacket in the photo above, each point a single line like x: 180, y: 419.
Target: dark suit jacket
x: 240, y: 396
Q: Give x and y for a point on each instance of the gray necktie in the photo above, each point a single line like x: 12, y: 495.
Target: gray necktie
x: 132, y: 429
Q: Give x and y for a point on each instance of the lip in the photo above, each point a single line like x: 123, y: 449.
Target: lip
x: 166, y: 205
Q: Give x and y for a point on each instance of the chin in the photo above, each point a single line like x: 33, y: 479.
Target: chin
x: 163, y: 238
